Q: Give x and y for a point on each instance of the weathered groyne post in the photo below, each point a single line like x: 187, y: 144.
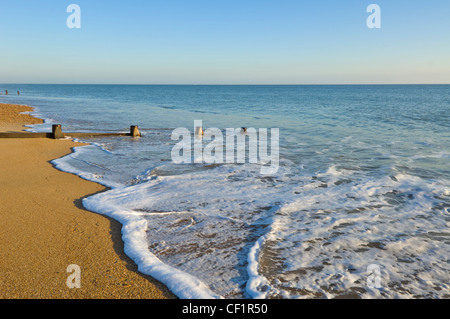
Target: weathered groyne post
x: 134, y: 131
x: 57, y: 131
x: 199, y: 131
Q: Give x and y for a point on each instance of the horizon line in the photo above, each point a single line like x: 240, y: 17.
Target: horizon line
x: 229, y: 84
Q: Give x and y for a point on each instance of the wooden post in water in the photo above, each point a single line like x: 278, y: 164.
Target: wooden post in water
x: 18, y: 93
x: 6, y: 92
x: 134, y: 131
x: 199, y: 131
x: 57, y: 131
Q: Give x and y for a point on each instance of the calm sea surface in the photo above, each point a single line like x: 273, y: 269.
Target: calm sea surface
x: 360, y: 204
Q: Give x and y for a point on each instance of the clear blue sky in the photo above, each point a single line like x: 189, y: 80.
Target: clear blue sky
x: 225, y: 42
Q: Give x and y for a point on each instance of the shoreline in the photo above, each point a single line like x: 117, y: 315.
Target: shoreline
x: 45, y: 227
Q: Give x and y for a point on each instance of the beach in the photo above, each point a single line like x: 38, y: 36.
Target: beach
x: 44, y: 227
x: 362, y: 187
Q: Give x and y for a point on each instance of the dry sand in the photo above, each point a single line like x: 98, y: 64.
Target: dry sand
x: 44, y: 228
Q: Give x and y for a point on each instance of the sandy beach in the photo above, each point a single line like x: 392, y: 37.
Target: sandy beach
x: 44, y: 227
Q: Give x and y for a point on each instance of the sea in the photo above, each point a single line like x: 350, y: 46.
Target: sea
x: 358, y: 207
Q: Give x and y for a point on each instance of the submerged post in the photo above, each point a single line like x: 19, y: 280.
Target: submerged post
x: 57, y: 131
x: 6, y: 92
x: 134, y: 131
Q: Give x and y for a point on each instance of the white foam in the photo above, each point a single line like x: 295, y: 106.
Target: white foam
x: 180, y: 283
x: 326, y: 248
x: 257, y: 285
x: 66, y: 164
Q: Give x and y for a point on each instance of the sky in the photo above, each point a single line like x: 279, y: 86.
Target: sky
x: 225, y: 42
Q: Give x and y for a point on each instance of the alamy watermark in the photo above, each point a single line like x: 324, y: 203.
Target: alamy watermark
x: 374, y: 19
x: 74, y: 279
x: 374, y: 279
x: 74, y: 19
x: 227, y: 147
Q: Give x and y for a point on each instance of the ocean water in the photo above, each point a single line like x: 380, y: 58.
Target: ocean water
x: 363, y: 183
